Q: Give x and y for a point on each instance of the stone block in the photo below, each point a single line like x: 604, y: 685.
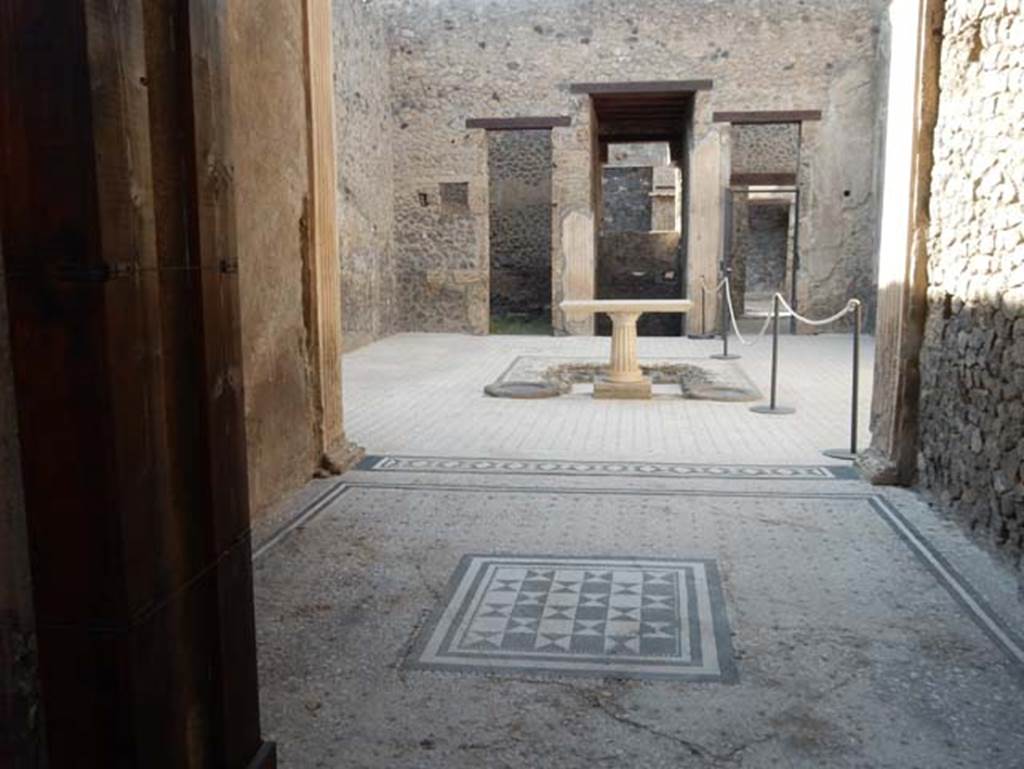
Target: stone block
x: 606, y: 390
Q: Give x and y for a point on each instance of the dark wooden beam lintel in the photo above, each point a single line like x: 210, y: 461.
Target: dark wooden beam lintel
x: 767, y: 116
x: 763, y: 180
x: 519, y: 123
x: 652, y: 86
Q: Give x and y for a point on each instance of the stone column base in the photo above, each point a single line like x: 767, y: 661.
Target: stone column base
x: 878, y: 469
x: 606, y: 389
x: 340, y: 458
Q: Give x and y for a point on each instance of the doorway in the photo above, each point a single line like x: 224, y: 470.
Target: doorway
x: 639, y: 243
x: 519, y: 173
x: 760, y: 248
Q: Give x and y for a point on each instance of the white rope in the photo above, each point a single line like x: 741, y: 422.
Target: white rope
x: 789, y: 313
x: 717, y: 288
x: 732, y: 317
x: 824, y: 321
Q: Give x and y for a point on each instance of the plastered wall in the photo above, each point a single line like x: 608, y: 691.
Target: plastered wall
x: 272, y: 185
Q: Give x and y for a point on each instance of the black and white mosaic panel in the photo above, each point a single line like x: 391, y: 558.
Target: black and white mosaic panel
x: 457, y: 465
x: 621, y: 617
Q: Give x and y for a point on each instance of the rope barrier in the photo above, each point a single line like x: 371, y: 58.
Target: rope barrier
x: 789, y: 313
x: 823, y: 321
x: 778, y: 301
x: 735, y: 327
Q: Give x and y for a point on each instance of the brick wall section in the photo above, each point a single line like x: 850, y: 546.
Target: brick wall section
x: 972, y: 398
x: 365, y: 174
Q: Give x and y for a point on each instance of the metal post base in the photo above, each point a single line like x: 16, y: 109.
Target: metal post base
x: 775, y: 410
x: 846, y: 454
x: 720, y: 356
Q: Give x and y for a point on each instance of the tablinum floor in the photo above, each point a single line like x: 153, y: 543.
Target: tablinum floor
x: 540, y: 614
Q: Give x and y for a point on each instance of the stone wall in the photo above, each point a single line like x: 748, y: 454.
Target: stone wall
x: 626, y: 199
x: 765, y: 149
x: 519, y: 166
x: 642, y: 154
x: 641, y: 265
x: 457, y: 59
x: 365, y: 173
x: 272, y: 184
x: 972, y: 361
x: 763, y: 247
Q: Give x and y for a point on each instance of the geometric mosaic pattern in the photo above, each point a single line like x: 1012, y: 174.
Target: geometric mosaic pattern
x: 627, y: 469
x: 626, y: 617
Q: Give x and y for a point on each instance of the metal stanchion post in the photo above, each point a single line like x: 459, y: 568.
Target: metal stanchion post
x: 726, y: 287
x: 773, y: 407
x: 703, y: 315
x: 854, y: 391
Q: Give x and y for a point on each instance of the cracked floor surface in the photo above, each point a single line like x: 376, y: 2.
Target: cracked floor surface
x: 853, y: 646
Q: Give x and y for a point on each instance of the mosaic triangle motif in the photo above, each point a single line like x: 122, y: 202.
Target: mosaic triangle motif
x: 527, y: 626
x: 615, y: 644
x: 588, y: 628
x: 566, y: 587
x: 531, y: 598
x: 656, y: 629
x: 623, y: 614
x: 497, y: 610
x: 657, y: 602
x: 556, y: 640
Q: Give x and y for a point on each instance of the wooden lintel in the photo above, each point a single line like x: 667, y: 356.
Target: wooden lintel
x: 650, y: 86
x: 519, y: 123
x: 767, y: 116
x: 763, y: 180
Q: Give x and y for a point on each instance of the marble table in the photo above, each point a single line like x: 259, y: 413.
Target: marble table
x: 625, y: 380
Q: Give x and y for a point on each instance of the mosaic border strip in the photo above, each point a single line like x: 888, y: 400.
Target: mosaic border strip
x: 433, y: 649
x: 471, y: 466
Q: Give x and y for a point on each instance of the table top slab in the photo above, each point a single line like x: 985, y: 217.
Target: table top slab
x: 625, y: 305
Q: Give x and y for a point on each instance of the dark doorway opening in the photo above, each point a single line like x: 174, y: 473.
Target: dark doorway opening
x: 519, y: 167
x: 639, y: 243
x: 761, y: 249
x: 641, y: 196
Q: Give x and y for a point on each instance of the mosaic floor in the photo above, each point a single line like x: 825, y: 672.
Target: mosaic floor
x: 631, y: 617
x: 451, y: 613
